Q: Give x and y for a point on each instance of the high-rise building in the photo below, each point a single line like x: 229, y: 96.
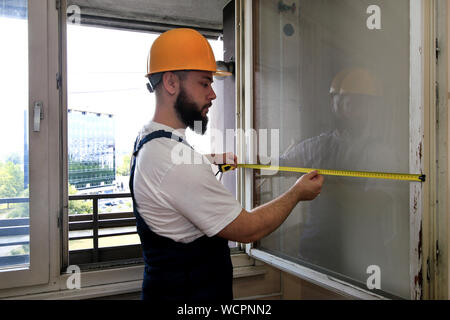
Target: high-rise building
x: 91, y: 147
x: 26, y: 156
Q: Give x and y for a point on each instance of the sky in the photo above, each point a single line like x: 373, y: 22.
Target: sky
x: 106, y: 74
x: 13, y: 84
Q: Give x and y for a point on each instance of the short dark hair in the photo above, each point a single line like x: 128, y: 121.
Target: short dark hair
x: 155, y: 79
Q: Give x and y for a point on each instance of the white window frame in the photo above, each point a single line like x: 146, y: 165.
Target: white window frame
x: 246, y: 150
x: 39, y: 157
x: 46, y: 279
x: 48, y: 276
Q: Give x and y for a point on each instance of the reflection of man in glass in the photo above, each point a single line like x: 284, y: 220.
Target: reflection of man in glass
x: 354, y: 96
x: 353, y: 223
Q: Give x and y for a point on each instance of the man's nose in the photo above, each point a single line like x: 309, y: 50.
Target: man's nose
x: 212, y: 95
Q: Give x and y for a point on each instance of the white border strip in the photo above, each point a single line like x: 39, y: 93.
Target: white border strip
x: 250, y: 140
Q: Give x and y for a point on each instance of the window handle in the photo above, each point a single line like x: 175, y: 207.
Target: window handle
x: 38, y: 115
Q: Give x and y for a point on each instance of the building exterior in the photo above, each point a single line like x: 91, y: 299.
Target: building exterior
x: 91, y: 145
x: 26, y: 156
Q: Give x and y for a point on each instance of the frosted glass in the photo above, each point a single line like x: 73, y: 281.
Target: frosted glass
x: 333, y: 77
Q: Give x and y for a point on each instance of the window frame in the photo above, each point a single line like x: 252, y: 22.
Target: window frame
x: 39, y: 47
x: 49, y: 281
x: 419, y: 161
x: 64, y: 217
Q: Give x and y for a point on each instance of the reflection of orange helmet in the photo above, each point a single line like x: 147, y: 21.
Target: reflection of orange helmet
x: 182, y: 49
x: 355, y: 81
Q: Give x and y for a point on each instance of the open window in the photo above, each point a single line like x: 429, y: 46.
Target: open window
x: 340, y: 83
x: 107, y: 105
x: 25, y: 128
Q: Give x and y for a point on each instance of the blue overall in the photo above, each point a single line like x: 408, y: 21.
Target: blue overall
x: 196, y: 271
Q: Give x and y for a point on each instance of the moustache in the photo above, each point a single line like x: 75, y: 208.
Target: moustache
x: 206, y: 107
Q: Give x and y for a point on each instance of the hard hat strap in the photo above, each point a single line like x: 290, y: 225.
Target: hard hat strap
x: 153, y: 81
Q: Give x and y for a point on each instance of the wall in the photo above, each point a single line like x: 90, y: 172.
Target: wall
x: 204, y: 14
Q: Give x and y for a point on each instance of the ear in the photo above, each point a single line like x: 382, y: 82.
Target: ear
x: 171, y: 83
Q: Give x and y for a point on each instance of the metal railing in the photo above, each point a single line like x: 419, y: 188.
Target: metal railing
x: 13, y: 226
x: 99, y: 225
x: 14, y: 232
x: 14, y: 200
x: 95, y: 225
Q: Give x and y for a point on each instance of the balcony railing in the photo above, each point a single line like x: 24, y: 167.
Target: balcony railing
x: 97, y: 226
x: 13, y: 233
x: 93, y: 226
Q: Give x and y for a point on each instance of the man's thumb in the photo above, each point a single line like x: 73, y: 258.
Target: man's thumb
x: 312, y: 174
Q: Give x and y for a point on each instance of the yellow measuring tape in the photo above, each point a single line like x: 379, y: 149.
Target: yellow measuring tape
x: 341, y: 173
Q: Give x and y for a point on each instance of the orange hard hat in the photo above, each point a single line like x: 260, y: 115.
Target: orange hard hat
x: 182, y: 49
x: 355, y: 81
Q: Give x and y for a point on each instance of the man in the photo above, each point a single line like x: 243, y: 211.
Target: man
x: 185, y: 217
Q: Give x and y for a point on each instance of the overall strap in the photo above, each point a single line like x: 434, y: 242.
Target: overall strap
x: 155, y: 135
x: 138, y: 144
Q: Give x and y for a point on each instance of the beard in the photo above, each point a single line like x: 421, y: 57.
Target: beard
x: 189, y: 114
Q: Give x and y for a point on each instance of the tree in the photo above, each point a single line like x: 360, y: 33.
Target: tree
x: 14, y: 158
x: 11, y: 180
x: 12, y: 186
x: 20, y: 210
x: 124, y: 169
x: 24, y: 250
x: 78, y: 206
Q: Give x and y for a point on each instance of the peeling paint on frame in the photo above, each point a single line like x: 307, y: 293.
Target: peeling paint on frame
x: 416, y: 147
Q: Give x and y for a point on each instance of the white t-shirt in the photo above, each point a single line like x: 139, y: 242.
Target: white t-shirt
x: 179, y: 199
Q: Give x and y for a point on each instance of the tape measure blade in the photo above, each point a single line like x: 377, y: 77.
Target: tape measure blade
x: 342, y: 173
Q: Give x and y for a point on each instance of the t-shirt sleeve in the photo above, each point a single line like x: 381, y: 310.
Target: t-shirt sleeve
x: 194, y: 192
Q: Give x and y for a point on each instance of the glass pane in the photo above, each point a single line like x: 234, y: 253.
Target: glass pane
x: 14, y: 179
x: 108, y: 105
x: 333, y: 77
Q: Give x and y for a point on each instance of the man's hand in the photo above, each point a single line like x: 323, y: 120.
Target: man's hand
x: 225, y: 158
x: 309, y: 186
x: 263, y: 220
